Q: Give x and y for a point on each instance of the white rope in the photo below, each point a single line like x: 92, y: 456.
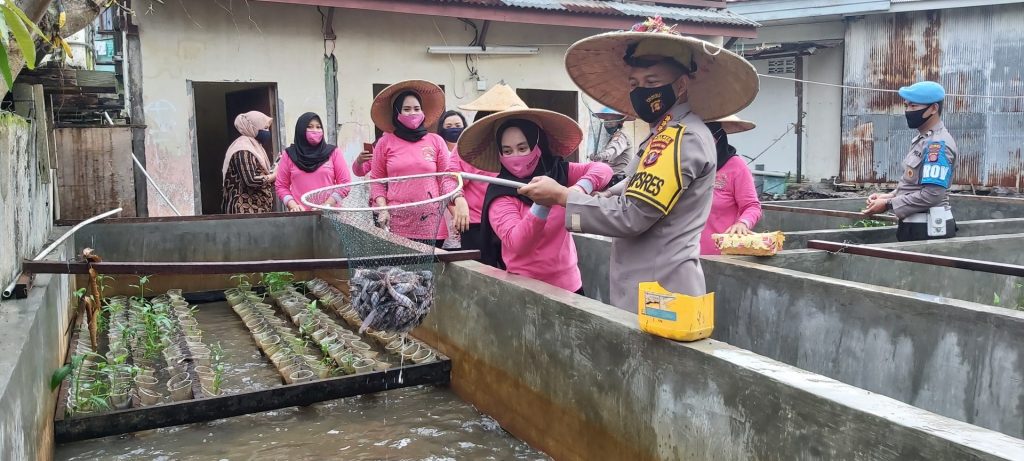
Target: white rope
x: 881, y: 90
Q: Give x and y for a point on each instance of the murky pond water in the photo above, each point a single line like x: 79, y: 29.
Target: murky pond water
x: 418, y: 423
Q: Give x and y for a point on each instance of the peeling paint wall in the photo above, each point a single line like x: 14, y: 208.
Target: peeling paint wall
x: 203, y: 41
x: 25, y: 203
x: 976, y: 51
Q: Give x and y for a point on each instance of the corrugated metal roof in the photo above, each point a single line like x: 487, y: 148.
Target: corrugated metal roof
x: 616, y: 8
x: 972, y: 51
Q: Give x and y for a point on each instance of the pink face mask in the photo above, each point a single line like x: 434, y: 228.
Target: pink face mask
x: 411, y: 121
x: 314, y: 137
x: 521, y: 166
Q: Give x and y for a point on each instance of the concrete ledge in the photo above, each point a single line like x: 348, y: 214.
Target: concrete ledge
x: 959, y: 359
x: 577, y: 379
x: 32, y: 346
x: 873, y: 235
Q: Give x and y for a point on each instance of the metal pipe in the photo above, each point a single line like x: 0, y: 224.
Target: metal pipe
x: 920, y: 258
x: 490, y: 180
x: 151, y: 181
x: 47, y: 250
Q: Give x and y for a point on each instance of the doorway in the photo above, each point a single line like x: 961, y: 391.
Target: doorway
x: 563, y: 102
x: 216, y: 106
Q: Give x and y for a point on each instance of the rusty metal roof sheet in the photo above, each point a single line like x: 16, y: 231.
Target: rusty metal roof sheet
x: 617, y: 8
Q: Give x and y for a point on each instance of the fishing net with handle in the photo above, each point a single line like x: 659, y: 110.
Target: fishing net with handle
x: 391, y: 249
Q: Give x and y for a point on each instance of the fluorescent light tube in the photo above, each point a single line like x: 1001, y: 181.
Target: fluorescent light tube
x: 481, y: 50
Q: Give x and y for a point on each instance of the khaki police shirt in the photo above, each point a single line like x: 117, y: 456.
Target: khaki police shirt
x: 653, y: 245
x: 910, y: 195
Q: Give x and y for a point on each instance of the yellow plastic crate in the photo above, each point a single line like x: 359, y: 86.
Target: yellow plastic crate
x: 673, y: 315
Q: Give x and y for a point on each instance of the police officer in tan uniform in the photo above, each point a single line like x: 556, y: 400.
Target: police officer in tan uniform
x: 921, y: 199
x: 657, y: 214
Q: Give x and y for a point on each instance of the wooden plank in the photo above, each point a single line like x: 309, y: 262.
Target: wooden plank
x: 920, y: 258
x: 823, y: 212
x: 96, y: 171
x: 226, y: 406
x: 232, y: 267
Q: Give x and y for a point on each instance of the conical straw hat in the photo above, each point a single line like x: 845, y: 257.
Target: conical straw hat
x: 478, y: 145
x: 496, y: 99
x: 431, y: 100
x: 733, y: 124
x: 723, y: 84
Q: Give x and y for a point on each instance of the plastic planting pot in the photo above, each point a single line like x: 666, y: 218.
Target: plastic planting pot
x: 424, y: 355
x: 301, y: 376
x: 364, y: 365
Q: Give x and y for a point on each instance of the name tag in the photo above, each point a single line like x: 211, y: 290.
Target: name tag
x: 936, y: 169
x: 658, y: 180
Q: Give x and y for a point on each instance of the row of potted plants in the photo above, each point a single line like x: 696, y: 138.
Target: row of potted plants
x: 148, y: 341
x: 399, y: 345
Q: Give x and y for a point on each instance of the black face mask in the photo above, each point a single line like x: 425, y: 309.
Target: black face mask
x: 916, y: 118
x: 263, y: 136
x: 451, y: 134
x: 651, y: 103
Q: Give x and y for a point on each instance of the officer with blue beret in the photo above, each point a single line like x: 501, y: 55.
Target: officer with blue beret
x: 921, y: 199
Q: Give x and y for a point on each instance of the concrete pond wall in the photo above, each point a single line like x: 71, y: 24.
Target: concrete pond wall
x: 961, y: 359
x: 976, y: 215
x: 576, y: 378
x: 32, y: 347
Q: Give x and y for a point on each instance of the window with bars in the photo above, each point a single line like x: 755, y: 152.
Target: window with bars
x: 782, y: 66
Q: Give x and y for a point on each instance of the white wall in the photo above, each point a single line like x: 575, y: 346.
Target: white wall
x: 200, y: 41
x: 774, y: 109
x: 210, y: 44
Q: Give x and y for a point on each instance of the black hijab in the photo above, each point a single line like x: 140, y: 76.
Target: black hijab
x: 725, y: 151
x: 400, y: 130
x: 550, y: 165
x: 303, y: 154
x: 481, y: 114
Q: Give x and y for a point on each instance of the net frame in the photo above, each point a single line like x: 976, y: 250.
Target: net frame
x: 305, y: 198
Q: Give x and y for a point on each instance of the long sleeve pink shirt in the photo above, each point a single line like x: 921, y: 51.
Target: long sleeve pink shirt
x: 292, y: 182
x: 394, y: 157
x: 735, y: 200
x: 360, y: 168
x: 473, y: 191
x: 542, y: 248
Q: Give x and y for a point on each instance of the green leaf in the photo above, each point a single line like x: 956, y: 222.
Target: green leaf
x: 59, y: 376
x: 21, y: 35
x: 25, y: 19
x: 5, y: 67
x: 995, y: 299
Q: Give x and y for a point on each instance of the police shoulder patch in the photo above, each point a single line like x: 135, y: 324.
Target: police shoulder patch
x: 658, y: 180
x: 937, y: 170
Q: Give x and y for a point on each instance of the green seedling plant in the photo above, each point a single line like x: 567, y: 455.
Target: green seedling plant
x: 100, y: 395
x: 218, y: 377
x: 1017, y: 304
x: 242, y: 281
x: 865, y: 223
x: 277, y: 281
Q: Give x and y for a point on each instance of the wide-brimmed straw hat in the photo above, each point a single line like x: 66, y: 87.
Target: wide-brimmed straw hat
x: 611, y: 115
x: 478, y: 145
x: 496, y: 99
x: 431, y: 100
x: 733, y: 124
x: 722, y: 84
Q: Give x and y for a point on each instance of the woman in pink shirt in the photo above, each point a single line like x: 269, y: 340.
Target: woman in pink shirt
x: 521, y: 144
x: 402, y: 111
x: 450, y: 127
x: 310, y: 163
x: 735, y: 208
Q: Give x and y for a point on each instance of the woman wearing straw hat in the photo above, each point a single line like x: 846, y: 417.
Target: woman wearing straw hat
x: 735, y: 208
x: 403, y: 111
x: 673, y: 83
x: 520, y: 144
x: 500, y: 97
x: 496, y: 99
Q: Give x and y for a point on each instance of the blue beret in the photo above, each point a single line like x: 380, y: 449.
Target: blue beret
x: 923, y: 93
